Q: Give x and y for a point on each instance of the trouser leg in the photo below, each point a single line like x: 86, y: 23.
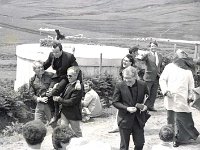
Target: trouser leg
x: 138, y: 135
x: 153, y: 92
x: 39, y: 112
x: 75, y: 125
x: 124, y: 138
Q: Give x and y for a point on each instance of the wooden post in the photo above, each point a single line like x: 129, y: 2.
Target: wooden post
x: 196, y: 51
x: 174, y: 48
x: 100, y: 66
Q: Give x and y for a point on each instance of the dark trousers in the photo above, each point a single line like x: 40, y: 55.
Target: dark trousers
x: 153, y: 88
x: 137, y: 135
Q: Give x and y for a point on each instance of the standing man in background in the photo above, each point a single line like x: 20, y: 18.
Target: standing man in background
x: 153, y: 62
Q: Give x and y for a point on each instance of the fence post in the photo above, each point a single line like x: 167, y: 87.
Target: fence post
x: 100, y: 66
x: 174, y: 48
x: 196, y: 51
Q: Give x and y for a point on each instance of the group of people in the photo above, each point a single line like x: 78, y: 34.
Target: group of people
x: 176, y: 82
x: 64, y: 96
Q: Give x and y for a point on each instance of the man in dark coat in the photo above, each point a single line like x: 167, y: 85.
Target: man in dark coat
x: 60, y: 61
x: 153, y: 62
x: 71, y: 102
x: 129, y: 98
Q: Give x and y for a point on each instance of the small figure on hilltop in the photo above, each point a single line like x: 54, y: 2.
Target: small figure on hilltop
x: 34, y: 133
x: 91, y: 104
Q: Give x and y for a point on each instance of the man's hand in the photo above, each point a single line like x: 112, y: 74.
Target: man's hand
x: 131, y: 109
x: 49, y: 92
x: 42, y: 99
x: 56, y: 98
x: 78, y: 85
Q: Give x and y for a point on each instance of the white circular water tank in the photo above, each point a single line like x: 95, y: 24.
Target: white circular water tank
x: 87, y: 56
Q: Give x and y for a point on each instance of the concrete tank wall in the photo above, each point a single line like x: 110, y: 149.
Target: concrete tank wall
x: 88, y: 58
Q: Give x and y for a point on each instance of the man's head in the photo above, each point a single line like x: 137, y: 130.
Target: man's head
x: 72, y: 73
x: 181, y: 53
x: 129, y: 75
x: 153, y: 46
x: 61, y: 136
x: 133, y: 51
x: 34, y: 132
x: 57, y: 49
x: 88, y: 85
x: 128, y: 60
x: 166, y: 133
x: 38, y: 67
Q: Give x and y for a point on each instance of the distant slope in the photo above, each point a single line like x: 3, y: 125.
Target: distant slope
x: 159, y: 18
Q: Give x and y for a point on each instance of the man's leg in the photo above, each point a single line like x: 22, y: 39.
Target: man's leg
x: 47, y: 112
x: 75, y: 125
x: 153, y: 92
x: 138, y: 135
x: 149, y: 85
x: 125, y: 138
x: 39, y: 112
x: 170, y: 117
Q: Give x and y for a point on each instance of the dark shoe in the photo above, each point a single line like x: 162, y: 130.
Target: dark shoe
x: 114, y: 131
x: 152, y: 109
x: 176, y: 144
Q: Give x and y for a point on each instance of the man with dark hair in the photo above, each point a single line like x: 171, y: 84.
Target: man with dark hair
x: 133, y: 51
x: 166, y: 135
x: 153, y: 62
x: 60, y: 61
x: 34, y: 133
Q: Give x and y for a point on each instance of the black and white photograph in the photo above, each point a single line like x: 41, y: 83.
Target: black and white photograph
x: 99, y: 75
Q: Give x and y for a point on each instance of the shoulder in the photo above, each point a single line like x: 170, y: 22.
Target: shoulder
x: 140, y: 82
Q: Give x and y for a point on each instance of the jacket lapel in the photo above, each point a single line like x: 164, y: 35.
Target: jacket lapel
x: 127, y: 91
x: 68, y: 89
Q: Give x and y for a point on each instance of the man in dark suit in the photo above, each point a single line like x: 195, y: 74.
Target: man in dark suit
x: 128, y: 98
x: 71, y: 102
x: 60, y: 61
x: 153, y: 62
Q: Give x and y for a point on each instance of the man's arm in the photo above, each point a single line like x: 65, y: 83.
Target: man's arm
x: 47, y: 63
x: 117, y: 99
x: 73, y: 100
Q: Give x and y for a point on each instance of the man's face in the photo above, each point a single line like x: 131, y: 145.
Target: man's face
x: 129, y: 79
x: 126, y: 62
x: 56, y: 52
x: 71, y: 75
x: 39, y: 69
x: 86, y: 87
x: 134, y: 54
x: 153, y: 47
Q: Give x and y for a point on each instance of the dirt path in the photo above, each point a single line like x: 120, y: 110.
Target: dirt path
x: 99, y: 127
